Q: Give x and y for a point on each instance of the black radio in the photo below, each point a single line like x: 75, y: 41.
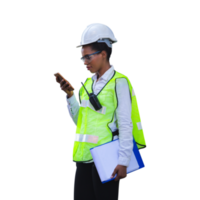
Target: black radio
x: 93, y: 100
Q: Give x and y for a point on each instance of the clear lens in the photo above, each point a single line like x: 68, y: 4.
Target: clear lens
x: 86, y: 58
x: 82, y: 60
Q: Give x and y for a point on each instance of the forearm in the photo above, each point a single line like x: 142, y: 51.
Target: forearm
x: 73, y: 107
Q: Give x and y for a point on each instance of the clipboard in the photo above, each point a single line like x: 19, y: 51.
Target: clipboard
x: 106, y: 156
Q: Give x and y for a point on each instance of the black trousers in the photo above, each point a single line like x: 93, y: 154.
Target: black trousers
x: 88, y: 185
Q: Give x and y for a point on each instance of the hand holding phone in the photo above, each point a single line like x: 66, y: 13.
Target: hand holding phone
x: 64, y: 84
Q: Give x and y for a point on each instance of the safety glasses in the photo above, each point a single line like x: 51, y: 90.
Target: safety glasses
x: 89, y: 56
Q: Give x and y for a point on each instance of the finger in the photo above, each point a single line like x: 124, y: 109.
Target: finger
x: 114, y: 175
x: 117, y: 177
x: 65, y: 86
x: 62, y: 81
x: 56, y: 78
x: 65, y: 83
x: 123, y: 176
x: 114, y: 172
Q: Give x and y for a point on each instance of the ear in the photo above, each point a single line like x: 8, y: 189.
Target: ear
x: 104, y: 54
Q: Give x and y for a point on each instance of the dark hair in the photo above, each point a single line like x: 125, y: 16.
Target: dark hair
x: 96, y: 46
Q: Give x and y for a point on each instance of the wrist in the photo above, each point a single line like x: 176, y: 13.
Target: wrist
x: 68, y: 96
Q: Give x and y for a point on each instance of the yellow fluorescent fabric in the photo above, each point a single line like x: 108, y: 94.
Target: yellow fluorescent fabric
x: 93, y: 124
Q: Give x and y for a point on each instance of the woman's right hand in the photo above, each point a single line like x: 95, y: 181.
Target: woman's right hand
x: 66, y: 87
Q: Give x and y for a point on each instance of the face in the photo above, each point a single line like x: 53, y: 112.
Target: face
x: 97, y: 60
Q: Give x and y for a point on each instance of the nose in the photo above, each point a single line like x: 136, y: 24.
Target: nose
x: 86, y: 62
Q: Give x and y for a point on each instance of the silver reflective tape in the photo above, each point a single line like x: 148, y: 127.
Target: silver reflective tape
x: 168, y: 125
x: 86, y: 103
x: 133, y: 92
x: 139, y: 125
x: 86, y: 138
x: 102, y: 110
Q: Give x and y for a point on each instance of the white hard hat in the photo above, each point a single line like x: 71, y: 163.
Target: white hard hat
x: 97, y: 32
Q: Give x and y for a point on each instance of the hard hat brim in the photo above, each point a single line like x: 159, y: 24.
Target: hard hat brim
x: 83, y: 44
x: 78, y: 46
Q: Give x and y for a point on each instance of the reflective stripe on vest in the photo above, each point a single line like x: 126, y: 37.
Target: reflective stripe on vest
x: 86, y: 138
x: 86, y: 103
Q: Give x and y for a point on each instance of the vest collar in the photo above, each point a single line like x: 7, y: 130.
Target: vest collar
x: 107, y: 75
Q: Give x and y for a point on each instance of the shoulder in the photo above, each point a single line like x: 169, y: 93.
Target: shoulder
x: 122, y: 80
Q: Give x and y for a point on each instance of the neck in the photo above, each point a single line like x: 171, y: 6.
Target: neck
x: 103, y: 70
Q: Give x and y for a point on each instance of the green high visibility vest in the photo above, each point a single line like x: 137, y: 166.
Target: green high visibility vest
x: 92, y: 126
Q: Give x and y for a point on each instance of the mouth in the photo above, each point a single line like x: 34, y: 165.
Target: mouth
x: 88, y: 67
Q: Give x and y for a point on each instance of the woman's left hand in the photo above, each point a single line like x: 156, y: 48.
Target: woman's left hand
x: 121, y: 172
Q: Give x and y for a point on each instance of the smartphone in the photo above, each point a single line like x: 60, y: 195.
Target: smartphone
x: 60, y: 77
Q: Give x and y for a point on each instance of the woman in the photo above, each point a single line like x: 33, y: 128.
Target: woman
x: 95, y: 127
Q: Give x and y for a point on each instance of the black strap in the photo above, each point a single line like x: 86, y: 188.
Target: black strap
x: 115, y: 132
